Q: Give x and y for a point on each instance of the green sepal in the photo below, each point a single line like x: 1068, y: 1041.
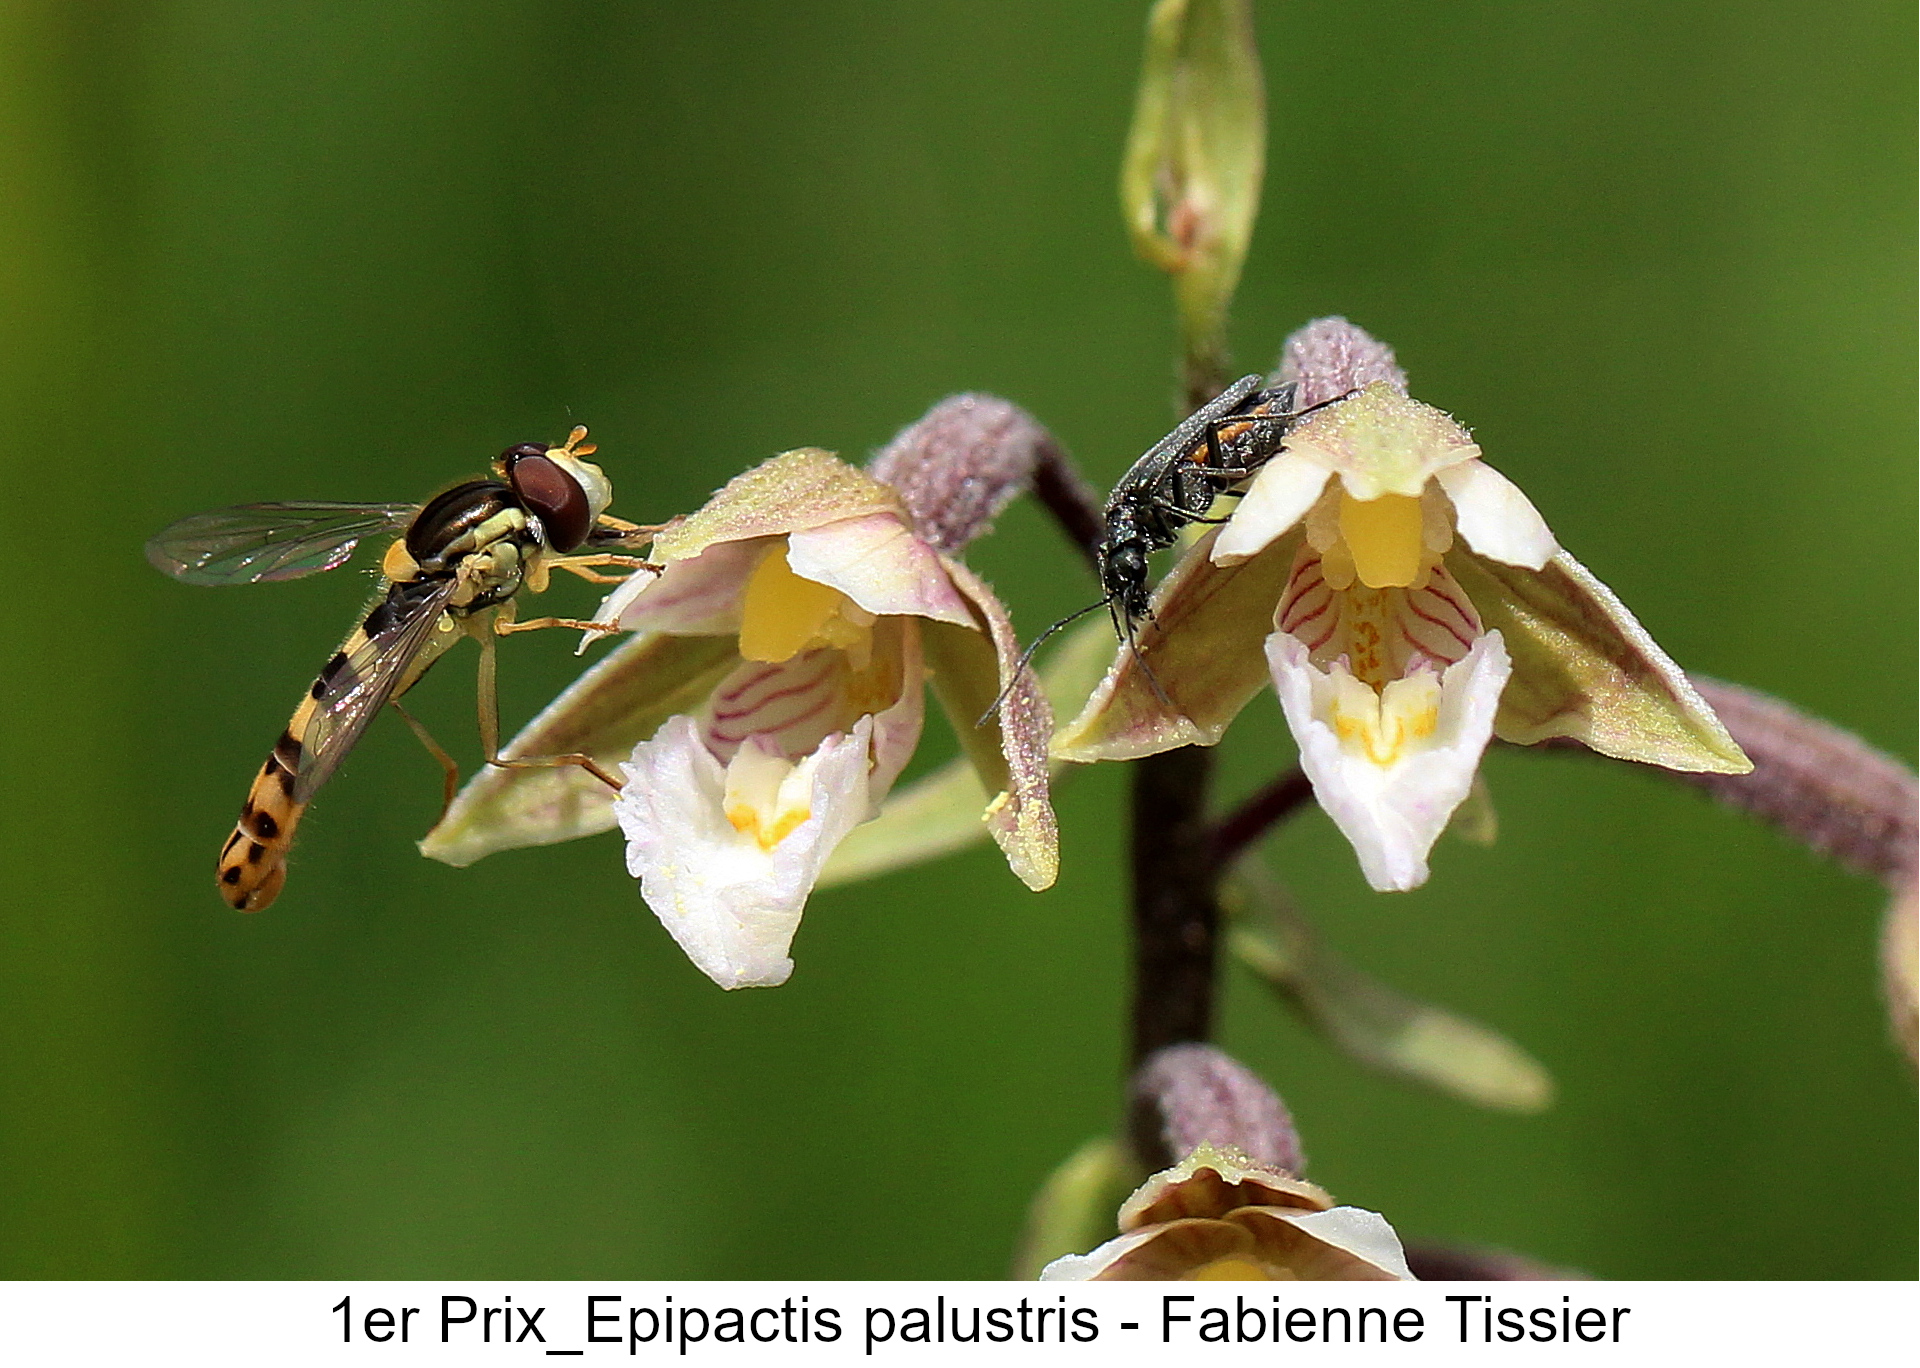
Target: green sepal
x: 1583, y: 668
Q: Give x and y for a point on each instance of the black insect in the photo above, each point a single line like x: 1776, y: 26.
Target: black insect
x: 1177, y: 481
x: 1174, y: 485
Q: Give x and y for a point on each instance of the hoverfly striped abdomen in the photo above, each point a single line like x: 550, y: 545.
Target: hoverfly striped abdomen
x: 252, y: 864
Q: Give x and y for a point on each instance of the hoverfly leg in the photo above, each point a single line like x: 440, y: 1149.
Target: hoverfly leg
x: 503, y: 626
x: 489, y: 698
x: 582, y: 566
x: 449, y: 769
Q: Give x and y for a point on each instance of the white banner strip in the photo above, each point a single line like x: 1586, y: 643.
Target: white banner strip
x: 736, y: 1323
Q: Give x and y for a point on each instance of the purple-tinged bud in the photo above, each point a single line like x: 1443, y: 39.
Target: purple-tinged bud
x: 1186, y: 1096
x: 1825, y: 787
x: 1330, y: 356
x: 957, y: 467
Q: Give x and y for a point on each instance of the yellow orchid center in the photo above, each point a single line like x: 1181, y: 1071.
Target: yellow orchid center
x: 1385, y: 537
x: 1381, y: 726
x: 783, y: 614
x: 767, y: 797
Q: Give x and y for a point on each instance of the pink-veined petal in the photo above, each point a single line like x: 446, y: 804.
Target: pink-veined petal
x: 881, y: 565
x: 699, y: 596
x: 791, y: 705
x: 1495, y: 518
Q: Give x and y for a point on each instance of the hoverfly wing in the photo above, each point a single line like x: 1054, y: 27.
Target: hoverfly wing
x: 364, y: 674
x: 254, y: 543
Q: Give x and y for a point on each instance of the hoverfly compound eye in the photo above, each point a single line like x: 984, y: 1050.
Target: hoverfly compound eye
x: 552, y: 494
x: 517, y: 453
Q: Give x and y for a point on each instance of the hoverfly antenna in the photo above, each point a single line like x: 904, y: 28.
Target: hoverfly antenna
x: 1027, y: 655
x: 576, y: 443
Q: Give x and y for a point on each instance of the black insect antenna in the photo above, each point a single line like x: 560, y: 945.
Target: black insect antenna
x: 1027, y: 655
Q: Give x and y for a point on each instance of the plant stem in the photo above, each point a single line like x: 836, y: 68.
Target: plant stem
x: 1176, y: 918
x: 1258, y: 813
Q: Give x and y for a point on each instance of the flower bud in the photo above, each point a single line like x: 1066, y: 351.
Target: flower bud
x: 962, y: 463
x: 1186, y: 1096
x: 1331, y: 357
x: 1190, y: 180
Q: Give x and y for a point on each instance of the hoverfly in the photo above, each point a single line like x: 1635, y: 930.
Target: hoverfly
x: 454, y: 570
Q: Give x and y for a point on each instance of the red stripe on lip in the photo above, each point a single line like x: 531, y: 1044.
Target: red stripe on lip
x: 719, y: 715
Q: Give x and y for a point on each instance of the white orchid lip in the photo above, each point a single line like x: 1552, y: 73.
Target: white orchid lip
x: 726, y: 856
x: 1390, y: 768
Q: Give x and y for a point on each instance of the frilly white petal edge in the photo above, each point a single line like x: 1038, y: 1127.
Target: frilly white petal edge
x: 1392, y: 814
x: 731, y: 905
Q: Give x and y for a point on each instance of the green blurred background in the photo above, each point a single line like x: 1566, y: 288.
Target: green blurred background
x: 1658, y: 256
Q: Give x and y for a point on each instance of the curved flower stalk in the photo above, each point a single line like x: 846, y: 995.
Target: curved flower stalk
x: 1218, y: 1217
x: 815, y: 606
x: 1407, y: 603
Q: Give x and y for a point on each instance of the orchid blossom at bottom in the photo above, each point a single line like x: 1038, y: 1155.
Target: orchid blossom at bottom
x: 1408, y: 604
x: 1219, y: 1217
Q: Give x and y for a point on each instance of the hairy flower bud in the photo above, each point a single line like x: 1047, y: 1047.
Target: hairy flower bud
x: 1186, y: 1096
x: 1190, y: 179
x: 1330, y: 357
x: 957, y: 467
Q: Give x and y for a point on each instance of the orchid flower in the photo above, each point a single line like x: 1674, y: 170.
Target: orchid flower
x: 791, y: 630
x: 1219, y: 1217
x: 1408, y: 603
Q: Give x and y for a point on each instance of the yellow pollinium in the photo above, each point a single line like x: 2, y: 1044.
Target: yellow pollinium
x: 1382, y: 726
x: 783, y: 614
x: 1384, y: 537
